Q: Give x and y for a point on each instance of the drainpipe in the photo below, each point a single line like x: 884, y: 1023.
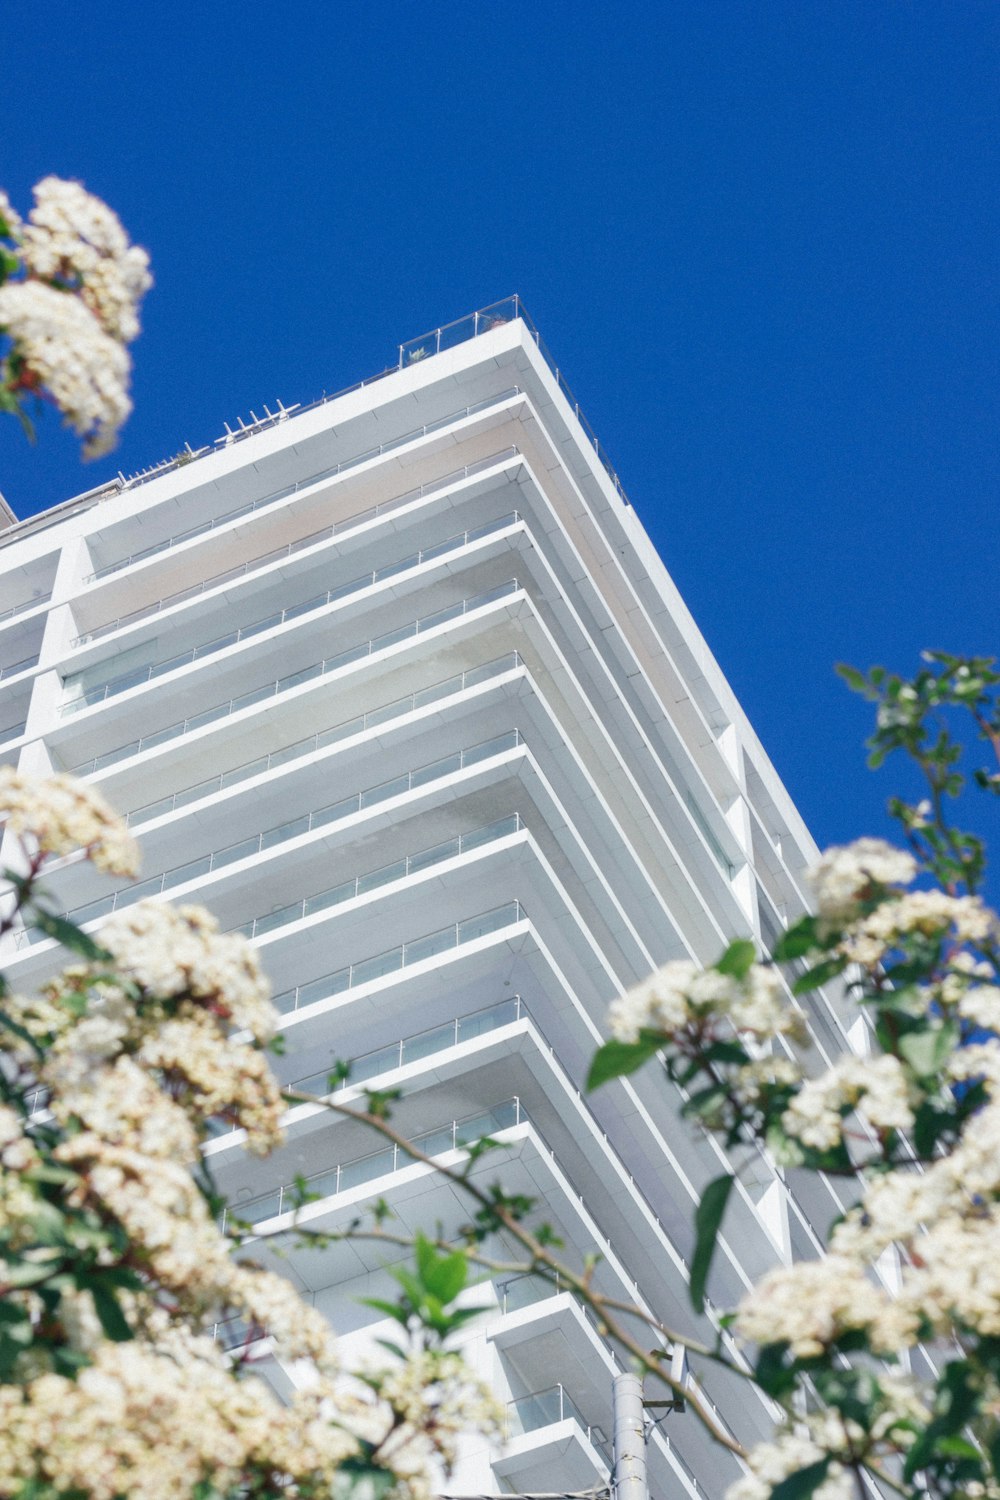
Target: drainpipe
x: 629, y: 1450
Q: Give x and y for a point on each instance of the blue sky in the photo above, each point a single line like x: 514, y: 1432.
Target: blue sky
x: 759, y: 237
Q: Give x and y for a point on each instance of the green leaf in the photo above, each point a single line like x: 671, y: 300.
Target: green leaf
x: 19, y: 1031
x: 926, y: 1051
x: 797, y: 941
x: 856, y: 681
x: 444, y: 1276
x: 69, y: 935
x: 737, y: 959
x: 818, y: 975
x: 707, y: 1220
x: 391, y: 1309
x: 615, y: 1059
x: 108, y: 1310
x: 803, y: 1483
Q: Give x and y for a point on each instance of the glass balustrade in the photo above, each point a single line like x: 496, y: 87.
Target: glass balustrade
x: 296, y: 679
x: 350, y: 523
x: 420, y: 1045
x: 20, y: 609
x: 13, y: 668
x: 483, y: 321
x: 545, y: 1408
x: 12, y: 732
x: 291, y: 489
x: 403, y: 956
x: 385, y: 713
x: 368, y: 1065
x: 322, y: 818
x: 128, y: 680
x: 453, y: 1136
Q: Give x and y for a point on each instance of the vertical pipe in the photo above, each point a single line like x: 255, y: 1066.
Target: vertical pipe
x: 629, y: 1439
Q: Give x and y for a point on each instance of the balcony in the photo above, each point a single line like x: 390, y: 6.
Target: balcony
x: 550, y: 1444
x: 128, y: 680
x: 293, y: 680
x: 403, y: 956
x: 278, y: 554
x: 303, y: 1195
x: 226, y: 517
x: 325, y: 738
x: 325, y: 817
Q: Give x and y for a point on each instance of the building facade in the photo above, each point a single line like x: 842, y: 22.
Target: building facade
x: 397, y: 685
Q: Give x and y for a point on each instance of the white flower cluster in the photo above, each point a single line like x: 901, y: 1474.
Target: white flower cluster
x: 179, y: 952
x: 847, y: 874
x: 75, y: 238
x: 160, y: 1423
x: 67, y: 353
x: 434, y: 1393
x: 899, y: 1412
x: 928, y: 912
x: 76, y: 307
x: 945, y: 1220
x: 682, y: 994
x: 135, y: 1063
x: 770, y: 1463
x: 875, y: 1087
x: 60, y: 815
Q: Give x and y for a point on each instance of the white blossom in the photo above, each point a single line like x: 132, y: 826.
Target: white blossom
x: 875, y: 1087
x: 61, y: 814
x: 74, y: 237
x: 846, y: 873
x: 68, y: 353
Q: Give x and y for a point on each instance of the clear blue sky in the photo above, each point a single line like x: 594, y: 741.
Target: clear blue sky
x: 760, y: 238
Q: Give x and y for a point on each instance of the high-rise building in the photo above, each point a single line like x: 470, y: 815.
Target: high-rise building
x: 397, y: 685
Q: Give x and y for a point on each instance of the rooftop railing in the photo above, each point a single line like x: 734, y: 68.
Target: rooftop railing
x: 360, y: 1170
x: 296, y: 679
x: 326, y: 737
x: 128, y: 680
x: 484, y: 321
x: 401, y: 957
x: 275, y: 496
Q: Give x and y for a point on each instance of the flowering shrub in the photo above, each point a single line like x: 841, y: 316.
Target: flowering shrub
x: 70, y: 288
x: 113, y: 1268
x: 914, y: 1122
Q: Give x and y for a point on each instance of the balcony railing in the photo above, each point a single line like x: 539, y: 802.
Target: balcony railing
x: 420, y: 1045
x: 20, y: 609
x: 400, y: 957
x: 324, y: 817
x: 326, y: 737
x: 291, y: 489
x: 12, y: 669
x: 296, y: 679
x: 363, y: 1169
x: 350, y: 523
x: 368, y: 1065
x: 128, y: 680
x: 12, y: 732
x: 546, y: 1408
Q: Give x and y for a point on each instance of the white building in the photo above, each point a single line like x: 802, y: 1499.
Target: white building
x: 397, y: 685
